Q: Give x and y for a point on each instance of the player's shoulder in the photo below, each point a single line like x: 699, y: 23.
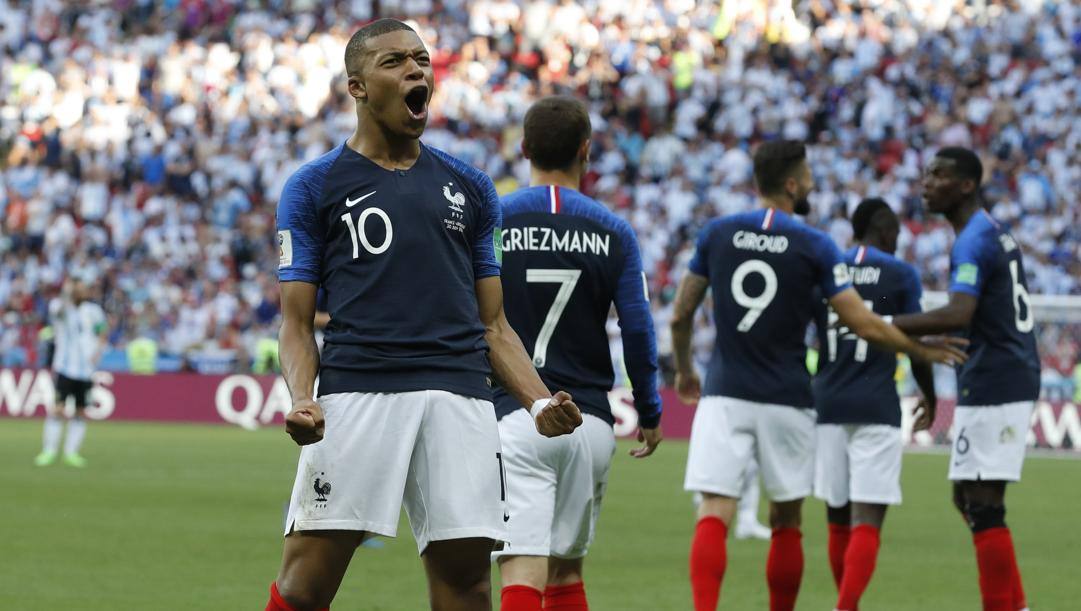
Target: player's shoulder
x: 306, y: 182
x: 472, y: 176
x: 982, y: 235
x: 581, y: 205
x: 903, y: 269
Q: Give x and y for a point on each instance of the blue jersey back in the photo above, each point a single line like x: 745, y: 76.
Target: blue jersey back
x: 1003, y: 365
x: 566, y: 260
x: 397, y: 254
x: 767, y: 271
x: 855, y: 384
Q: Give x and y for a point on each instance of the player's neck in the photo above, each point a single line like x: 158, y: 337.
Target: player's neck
x: 559, y: 178
x: 387, y: 150
x: 783, y: 204
x: 960, y: 215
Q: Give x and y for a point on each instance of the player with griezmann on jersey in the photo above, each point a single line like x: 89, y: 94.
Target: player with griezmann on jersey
x: 566, y: 260
x: 767, y: 271
x: 858, y: 453
x: 403, y: 239
x: 998, y: 386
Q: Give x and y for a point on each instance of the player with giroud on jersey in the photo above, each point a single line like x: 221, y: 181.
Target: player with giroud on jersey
x: 403, y: 239
x: 767, y: 271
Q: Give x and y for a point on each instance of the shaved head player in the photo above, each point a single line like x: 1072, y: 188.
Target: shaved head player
x: 403, y: 239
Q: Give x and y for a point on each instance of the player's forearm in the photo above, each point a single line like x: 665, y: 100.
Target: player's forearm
x: 640, y: 357
x: 939, y: 320
x: 511, y: 366
x: 299, y: 359
x: 884, y: 335
x: 681, y: 344
x: 925, y: 379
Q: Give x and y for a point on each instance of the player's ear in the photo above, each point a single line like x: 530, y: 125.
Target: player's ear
x: 357, y: 88
x: 583, y: 151
x: 524, y: 149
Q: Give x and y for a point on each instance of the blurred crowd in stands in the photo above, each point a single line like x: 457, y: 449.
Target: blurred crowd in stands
x: 144, y: 144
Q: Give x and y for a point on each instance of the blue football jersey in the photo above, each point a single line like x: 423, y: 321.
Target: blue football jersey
x: 855, y: 384
x: 1003, y: 365
x: 767, y: 271
x: 397, y: 254
x: 566, y: 260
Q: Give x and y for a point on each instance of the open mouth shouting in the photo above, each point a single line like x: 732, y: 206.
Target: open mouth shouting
x: 416, y: 101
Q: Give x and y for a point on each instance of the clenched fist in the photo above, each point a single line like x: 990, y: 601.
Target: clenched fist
x: 305, y: 422
x: 559, y: 417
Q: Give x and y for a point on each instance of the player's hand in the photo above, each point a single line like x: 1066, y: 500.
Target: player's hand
x: 560, y: 417
x: 933, y: 350
x: 925, y: 414
x: 688, y: 387
x: 651, y: 437
x: 305, y: 422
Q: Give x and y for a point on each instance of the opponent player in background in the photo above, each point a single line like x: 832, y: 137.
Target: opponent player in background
x: 566, y: 260
x: 766, y: 270
x: 403, y: 238
x: 858, y: 453
x: 80, y: 329
x: 998, y: 386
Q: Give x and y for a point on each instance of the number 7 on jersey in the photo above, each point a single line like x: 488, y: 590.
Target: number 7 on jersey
x: 567, y: 279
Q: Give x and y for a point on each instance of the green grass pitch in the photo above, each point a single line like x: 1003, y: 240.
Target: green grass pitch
x: 189, y: 517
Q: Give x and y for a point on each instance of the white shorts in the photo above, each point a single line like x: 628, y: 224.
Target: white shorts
x: 554, y: 485
x: 727, y: 432
x: 860, y: 463
x: 989, y: 442
x: 434, y: 451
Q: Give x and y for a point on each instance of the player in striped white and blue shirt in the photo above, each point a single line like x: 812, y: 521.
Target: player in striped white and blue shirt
x: 79, y: 325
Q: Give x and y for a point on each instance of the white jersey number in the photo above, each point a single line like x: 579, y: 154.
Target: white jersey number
x: 360, y: 237
x: 567, y: 279
x: 1020, y: 294
x: 834, y: 330
x: 754, y: 305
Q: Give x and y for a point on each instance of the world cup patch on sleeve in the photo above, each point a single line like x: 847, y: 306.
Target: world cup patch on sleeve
x: 840, y: 274
x: 285, y: 248
x: 966, y: 274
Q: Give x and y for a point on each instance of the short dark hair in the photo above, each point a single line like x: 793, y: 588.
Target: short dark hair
x: 867, y: 216
x: 355, y: 49
x: 965, y: 162
x: 774, y: 162
x: 555, y: 128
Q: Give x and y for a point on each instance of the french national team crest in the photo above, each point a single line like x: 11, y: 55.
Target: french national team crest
x: 456, y: 218
x: 322, y: 489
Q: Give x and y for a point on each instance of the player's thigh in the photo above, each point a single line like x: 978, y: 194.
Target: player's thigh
x: 831, y: 464
x: 530, y: 466
x: 989, y: 442
x: 581, y: 483
x: 313, y: 565
x: 455, y: 487
x: 722, y: 442
x: 786, y: 447
x: 874, y: 452
x: 354, y: 479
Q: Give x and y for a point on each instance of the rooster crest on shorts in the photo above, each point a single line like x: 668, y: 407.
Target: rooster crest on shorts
x: 322, y: 489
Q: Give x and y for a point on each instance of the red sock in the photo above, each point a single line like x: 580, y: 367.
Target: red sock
x: 571, y: 597
x: 784, y: 568
x: 520, y: 598
x: 838, y: 543
x: 994, y: 557
x: 1019, y: 602
x: 859, y: 566
x: 277, y: 603
x: 709, y: 558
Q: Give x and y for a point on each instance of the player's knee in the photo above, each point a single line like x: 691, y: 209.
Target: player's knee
x: 982, y: 517
x: 563, y: 572
x: 786, y: 515
x: 302, y: 596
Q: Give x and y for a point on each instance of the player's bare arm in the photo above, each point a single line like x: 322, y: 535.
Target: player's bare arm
x: 691, y: 292
x: 925, y: 409
x: 514, y: 371
x: 956, y: 315
x: 300, y: 361
x: 873, y: 328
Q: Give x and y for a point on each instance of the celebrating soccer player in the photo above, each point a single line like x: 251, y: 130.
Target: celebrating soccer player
x: 567, y: 259
x: 404, y: 240
x: 858, y: 454
x: 767, y: 271
x: 998, y: 386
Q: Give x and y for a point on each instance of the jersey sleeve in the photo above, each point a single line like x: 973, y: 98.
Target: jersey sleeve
x: 300, y: 242
x: 639, y: 336
x: 833, y: 275
x: 913, y: 291
x: 700, y: 260
x: 487, y: 242
x: 968, y: 267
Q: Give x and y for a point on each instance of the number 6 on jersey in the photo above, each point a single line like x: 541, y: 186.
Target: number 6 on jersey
x: 567, y: 279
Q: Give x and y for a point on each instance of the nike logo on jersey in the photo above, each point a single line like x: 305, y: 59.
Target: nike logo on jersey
x: 349, y: 203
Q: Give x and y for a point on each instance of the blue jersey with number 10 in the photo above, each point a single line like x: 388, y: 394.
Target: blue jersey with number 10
x: 767, y: 271
x: 1003, y: 365
x: 854, y: 384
